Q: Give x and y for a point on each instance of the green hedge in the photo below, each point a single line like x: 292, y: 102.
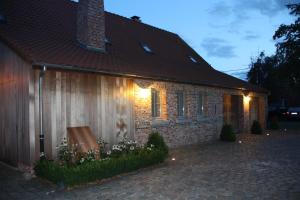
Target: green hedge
x: 158, y: 141
x: 97, y: 170
x: 227, y: 133
x: 256, y: 128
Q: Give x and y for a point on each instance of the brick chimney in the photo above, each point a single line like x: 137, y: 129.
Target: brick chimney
x: 91, y: 24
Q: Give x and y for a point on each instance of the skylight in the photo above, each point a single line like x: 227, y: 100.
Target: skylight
x: 193, y: 59
x: 146, y: 48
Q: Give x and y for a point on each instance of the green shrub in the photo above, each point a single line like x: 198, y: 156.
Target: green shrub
x: 274, y: 124
x: 156, y: 140
x: 256, y: 128
x: 124, y: 157
x: 227, y: 133
x: 99, y: 169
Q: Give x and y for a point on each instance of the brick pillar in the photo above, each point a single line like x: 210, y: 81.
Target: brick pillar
x: 91, y: 24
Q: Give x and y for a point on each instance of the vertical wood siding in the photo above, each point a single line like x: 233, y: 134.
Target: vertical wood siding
x: 74, y: 99
x: 14, y: 108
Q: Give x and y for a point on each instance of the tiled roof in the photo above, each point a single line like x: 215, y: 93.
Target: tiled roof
x: 45, y: 32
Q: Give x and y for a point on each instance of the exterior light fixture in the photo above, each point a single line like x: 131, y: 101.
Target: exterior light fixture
x: 143, y: 93
x: 240, y: 142
x: 173, y: 159
x: 247, y: 99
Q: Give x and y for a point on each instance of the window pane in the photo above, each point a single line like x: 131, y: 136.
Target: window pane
x: 155, y: 103
x: 158, y: 104
x: 146, y: 48
x: 180, y: 104
x: 200, y: 105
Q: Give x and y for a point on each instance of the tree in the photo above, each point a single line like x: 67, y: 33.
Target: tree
x: 262, y: 70
x: 280, y: 73
x: 264, y: 73
x: 288, y: 49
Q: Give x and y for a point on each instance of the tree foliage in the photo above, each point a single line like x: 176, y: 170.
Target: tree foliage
x: 280, y: 73
x: 288, y: 49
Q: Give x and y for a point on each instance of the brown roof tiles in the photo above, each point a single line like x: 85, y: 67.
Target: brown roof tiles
x: 45, y: 32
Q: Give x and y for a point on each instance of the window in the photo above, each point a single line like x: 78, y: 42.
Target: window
x: 107, y: 41
x: 180, y: 104
x: 155, y: 103
x: 146, y: 48
x: 200, y: 104
x: 193, y: 59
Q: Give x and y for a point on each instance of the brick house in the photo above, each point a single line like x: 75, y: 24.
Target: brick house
x: 66, y: 64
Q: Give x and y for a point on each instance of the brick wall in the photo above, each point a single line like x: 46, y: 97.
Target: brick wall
x: 191, y: 129
x: 91, y: 24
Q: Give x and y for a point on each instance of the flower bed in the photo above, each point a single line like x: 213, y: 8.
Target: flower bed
x: 125, y: 157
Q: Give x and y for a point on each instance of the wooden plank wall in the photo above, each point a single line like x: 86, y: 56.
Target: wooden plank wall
x: 14, y: 109
x: 254, y: 110
x: 73, y: 99
x: 262, y: 114
x: 233, y: 111
x: 227, y: 108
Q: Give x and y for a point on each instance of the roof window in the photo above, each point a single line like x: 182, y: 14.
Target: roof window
x: 146, y: 48
x: 193, y: 59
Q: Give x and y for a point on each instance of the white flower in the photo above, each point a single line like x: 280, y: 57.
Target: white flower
x: 82, y: 160
x: 116, y: 148
x: 148, y: 148
x: 152, y: 145
x: 131, y: 148
x: 42, y: 154
x: 108, y: 153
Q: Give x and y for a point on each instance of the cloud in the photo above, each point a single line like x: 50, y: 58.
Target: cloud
x: 216, y: 47
x: 268, y: 8
x: 241, y: 11
x: 221, y: 9
x: 251, y: 36
x: 242, y: 7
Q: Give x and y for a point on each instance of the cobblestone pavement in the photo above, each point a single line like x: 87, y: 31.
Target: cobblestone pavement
x: 261, y: 167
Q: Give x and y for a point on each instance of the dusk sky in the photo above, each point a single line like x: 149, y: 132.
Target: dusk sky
x: 225, y: 33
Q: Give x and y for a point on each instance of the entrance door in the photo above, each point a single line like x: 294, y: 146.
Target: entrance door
x: 233, y: 112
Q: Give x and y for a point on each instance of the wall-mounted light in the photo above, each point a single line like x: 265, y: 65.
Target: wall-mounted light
x: 143, y: 93
x: 247, y: 99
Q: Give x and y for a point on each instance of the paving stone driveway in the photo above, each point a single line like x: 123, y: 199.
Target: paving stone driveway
x: 261, y: 167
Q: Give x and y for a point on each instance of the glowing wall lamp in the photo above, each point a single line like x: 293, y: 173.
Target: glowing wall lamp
x: 143, y: 93
x: 247, y: 99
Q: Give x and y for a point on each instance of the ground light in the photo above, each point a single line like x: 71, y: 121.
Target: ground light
x: 173, y: 159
